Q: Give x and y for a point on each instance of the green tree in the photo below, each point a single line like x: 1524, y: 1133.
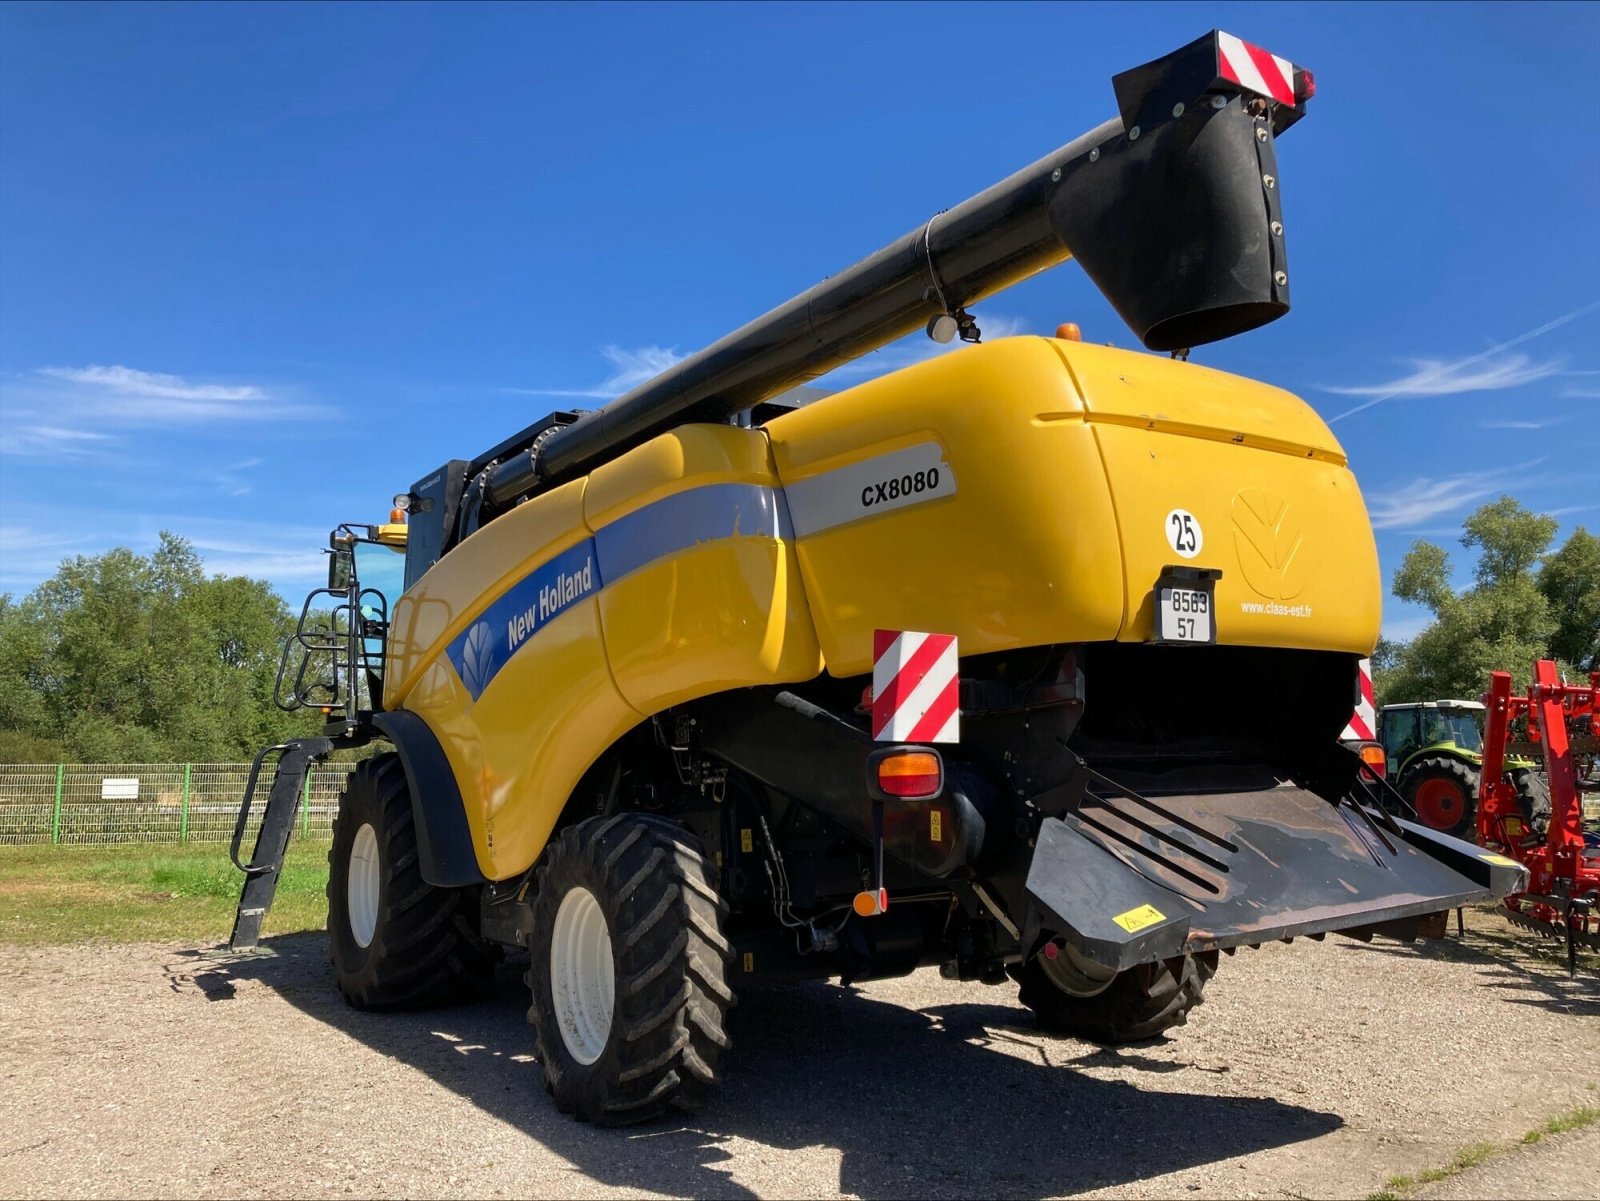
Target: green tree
x: 124, y: 657
x: 1516, y: 611
x: 1570, y: 581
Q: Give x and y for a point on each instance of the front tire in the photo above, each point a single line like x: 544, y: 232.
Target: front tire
x: 629, y: 971
x: 1139, y: 1003
x: 397, y: 942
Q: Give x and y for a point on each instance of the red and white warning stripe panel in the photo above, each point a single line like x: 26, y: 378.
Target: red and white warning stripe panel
x: 1364, y: 721
x: 916, y: 687
x: 1254, y: 68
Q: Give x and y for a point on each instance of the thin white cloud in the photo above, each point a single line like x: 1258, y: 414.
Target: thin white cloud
x: 1575, y: 393
x: 49, y: 441
x: 235, y: 546
x: 1423, y: 498
x: 1458, y: 369
x: 152, y: 383
x: 29, y: 554
x: 633, y: 367
x: 35, y: 541
x: 629, y: 369
x: 1435, y: 377
x: 230, y: 477
x: 123, y: 397
x: 1521, y: 425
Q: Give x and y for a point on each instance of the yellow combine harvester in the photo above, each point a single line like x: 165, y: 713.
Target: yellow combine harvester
x: 702, y: 690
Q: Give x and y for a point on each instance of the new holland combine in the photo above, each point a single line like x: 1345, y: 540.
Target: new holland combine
x: 701, y: 691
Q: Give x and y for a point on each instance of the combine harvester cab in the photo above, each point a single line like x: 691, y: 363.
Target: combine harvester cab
x: 701, y: 690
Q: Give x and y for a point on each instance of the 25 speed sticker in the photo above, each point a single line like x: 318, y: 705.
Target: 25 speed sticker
x: 880, y: 484
x: 1183, y: 533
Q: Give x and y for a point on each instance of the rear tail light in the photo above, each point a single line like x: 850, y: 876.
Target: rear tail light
x: 1375, y: 759
x: 907, y: 774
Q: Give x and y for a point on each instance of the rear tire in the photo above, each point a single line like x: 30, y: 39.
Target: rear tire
x: 629, y: 972
x: 1444, y: 792
x: 1139, y: 1003
x: 397, y: 942
x: 1533, y: 798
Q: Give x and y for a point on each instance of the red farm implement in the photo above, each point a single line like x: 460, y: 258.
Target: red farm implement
x: 1563, y: 896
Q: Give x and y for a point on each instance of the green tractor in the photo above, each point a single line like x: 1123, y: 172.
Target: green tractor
x: 1434, y: 750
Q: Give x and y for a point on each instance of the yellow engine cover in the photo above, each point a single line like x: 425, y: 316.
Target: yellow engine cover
x: 1058, y: 467
x: 1020, y: 493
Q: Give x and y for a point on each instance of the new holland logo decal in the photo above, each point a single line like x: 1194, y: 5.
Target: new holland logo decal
x: 526, y: 607
x: 1268, y: 538
x: 475, y: 666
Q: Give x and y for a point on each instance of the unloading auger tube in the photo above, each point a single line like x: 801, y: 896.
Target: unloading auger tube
x: 1172, y: 208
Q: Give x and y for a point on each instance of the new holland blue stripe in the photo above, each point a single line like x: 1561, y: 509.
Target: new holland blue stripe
x: 687, y: 519
x: 672, y: 524
x: 519, y: 612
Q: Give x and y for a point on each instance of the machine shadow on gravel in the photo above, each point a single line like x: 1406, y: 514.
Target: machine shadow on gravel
x: 1512, y: 968
x: 919, y: 1103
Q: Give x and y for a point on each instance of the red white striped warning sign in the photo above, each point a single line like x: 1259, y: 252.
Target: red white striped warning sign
x: 1364, y: 721
x: 916, y: 687
x: 1252, y: 67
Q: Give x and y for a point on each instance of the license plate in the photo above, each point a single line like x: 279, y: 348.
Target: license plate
x: 1184, y: 614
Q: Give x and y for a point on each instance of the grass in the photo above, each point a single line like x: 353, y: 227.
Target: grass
x: 1574, y: 1119
x: 140, y: 892
x: 1400, y: 1187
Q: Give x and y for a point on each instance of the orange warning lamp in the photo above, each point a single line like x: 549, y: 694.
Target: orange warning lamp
x: 1068, y: 331
x: 1375, y: 759
x: 871, y: 903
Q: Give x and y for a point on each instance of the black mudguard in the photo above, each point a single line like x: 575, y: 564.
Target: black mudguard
x: 444, y: 840
x: 1132, y: 879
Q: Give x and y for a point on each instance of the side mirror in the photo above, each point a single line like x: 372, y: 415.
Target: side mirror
x: 341, y: 571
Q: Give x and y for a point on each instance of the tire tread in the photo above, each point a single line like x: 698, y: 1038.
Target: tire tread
x: 1141, y: 1002
x: 672, y: 963
x: 427, y: 950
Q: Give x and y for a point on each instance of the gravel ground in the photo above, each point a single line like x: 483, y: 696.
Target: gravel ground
x: 1314, y: 1070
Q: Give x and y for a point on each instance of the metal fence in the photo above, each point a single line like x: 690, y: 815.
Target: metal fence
x: 147, y: 802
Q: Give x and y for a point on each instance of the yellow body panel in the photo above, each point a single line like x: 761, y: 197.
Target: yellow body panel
x: 721, y: 611
x: 451, y: 593
x: 1281, y: 515
x: 1019, y: 555
x: 1014, y: 494
x: 715, y: 601
x: 688, y: 457
x: 521, y: 747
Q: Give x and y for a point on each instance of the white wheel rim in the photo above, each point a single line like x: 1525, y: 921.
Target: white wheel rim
x: 582, y: 980
x: 1075, y: 975
x: 361, y: 886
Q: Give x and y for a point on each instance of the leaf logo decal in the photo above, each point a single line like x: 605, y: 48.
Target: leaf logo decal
x: 476, y: 666
x: 1268, y: 539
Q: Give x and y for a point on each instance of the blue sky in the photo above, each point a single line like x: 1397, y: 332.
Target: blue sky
x: 261, y: 267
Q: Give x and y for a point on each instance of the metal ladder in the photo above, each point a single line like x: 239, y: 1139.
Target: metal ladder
x: 295, y: 758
